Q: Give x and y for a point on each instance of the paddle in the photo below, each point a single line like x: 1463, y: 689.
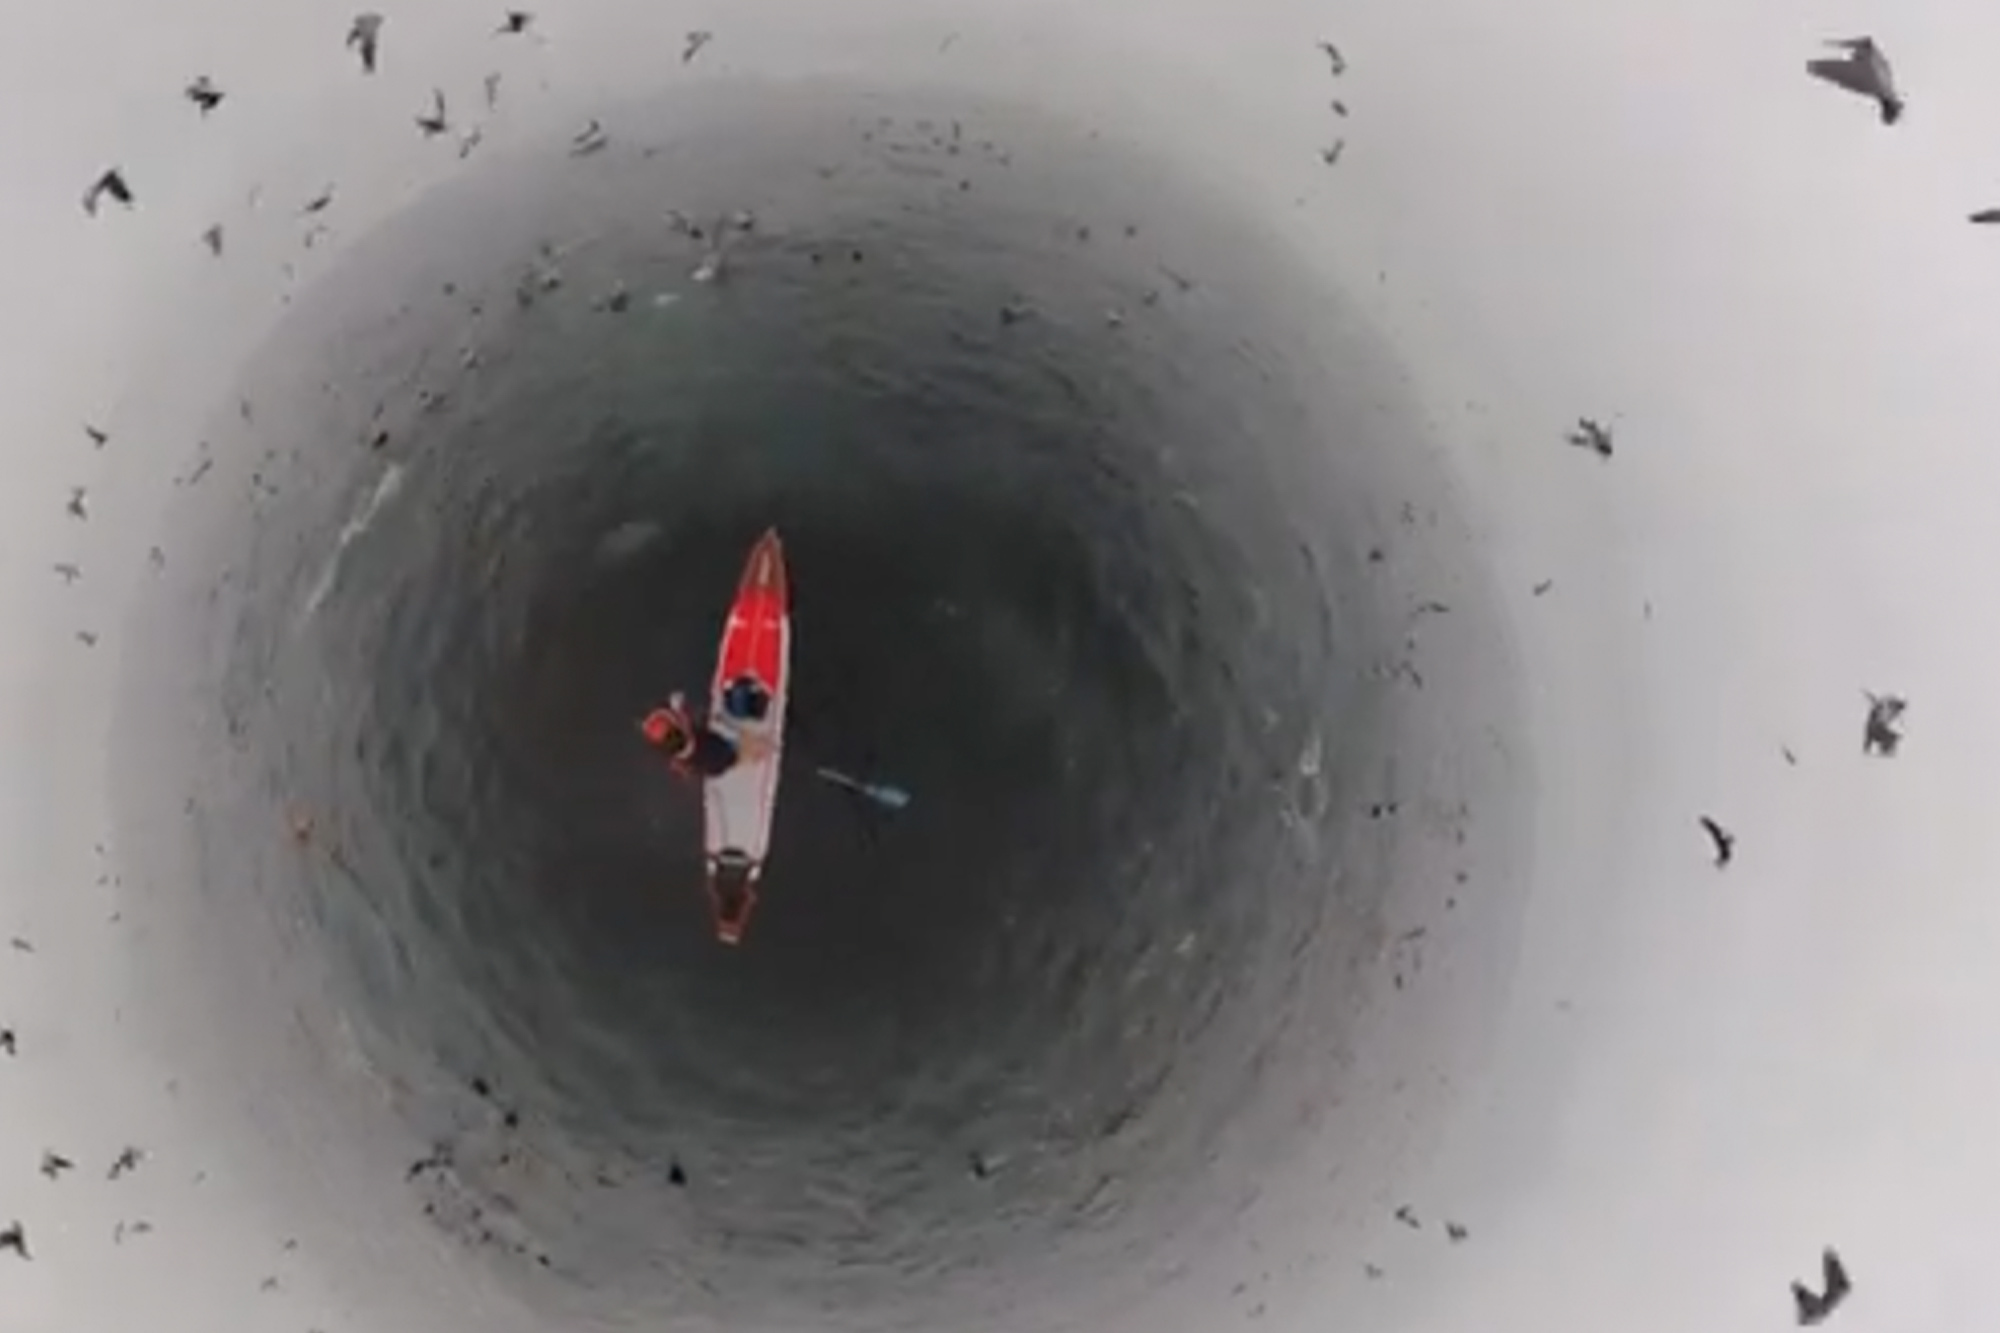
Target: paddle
x: 884, y: 795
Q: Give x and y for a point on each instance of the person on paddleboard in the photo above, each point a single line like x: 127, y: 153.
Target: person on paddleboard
x: 701, y: 750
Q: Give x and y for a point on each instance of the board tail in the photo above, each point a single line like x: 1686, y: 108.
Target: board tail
x: 732, y: 894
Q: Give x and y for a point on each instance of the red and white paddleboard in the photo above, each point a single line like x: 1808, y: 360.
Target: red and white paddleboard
x: 738, y: 806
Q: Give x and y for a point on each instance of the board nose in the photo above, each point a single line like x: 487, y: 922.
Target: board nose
x: 765, y: 570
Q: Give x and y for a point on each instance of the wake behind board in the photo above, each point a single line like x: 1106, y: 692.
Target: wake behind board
x: 747, y: 704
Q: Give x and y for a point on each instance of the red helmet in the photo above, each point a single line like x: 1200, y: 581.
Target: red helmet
x: 668, y: 729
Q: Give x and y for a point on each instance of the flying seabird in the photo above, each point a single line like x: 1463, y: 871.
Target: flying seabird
x: 1337, y: 61
x: 1816, y: 1306
x: 1592, y: 435
x: 365, y: 36
x: 112, y: 183
x: 435, y: 123
x: 1879, y: 734
x: 588, y: 139
x: 695, y: 41
x: 516, y: 21
x: 1864, y: 70
x: 204, y: 94
x: 1724, y: 840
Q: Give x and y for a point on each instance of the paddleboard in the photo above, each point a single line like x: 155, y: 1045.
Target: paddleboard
x: 747, y: 704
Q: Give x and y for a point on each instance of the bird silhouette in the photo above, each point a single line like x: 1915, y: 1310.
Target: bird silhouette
x: 70, y: 573
x: 204, y: 94
x: 110, y: 183
x: 1332, y: 155
x: 54, y: 1164
x: 15, y: 1238
x: 1864, y: 70
x: 212, y: 238
x: 1592, y: 435
x: 1335, y: 60
x: 319, y: 203
x: 492, y: 91
x: 516, y: 21
x: 1987, y: 216
x: 77, y: 508
x: 1879, y: 733
x: 127, y: 1160
x: 1813, y: 1307
x: 7, y: 1042
x: 1724, y: 840
x: 695, y: 41
x: 435, y: 123
x: 97, y: 437
x: 588, y: 139
x: 365, y: 36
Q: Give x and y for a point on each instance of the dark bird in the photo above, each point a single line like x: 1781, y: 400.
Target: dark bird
x: 1337, y: 61
x: 1455, y: 1233
x: 695, y: 41
x: 1816, y: 1306
x: 77, y: 495
x: 1864, y: 70
x: 1407, y: 1216
x: 1724, y: 840
x: 677, y: 1175
x: 516, y: 21
x: 492, y: 91
x: 1591, y: 435
x: 7, y: 1043
x: 1339, y: 107
x: 1332, y: 155
x: 365, y: 36
x: 212, y: 238
x: 435, y: 123
x: 1879, y: 733
x: 204, y: 94
x: 319, y: 203
x: 588, y: 140
x: 70, y: 573
x: 88, y: 640
x: 54, y: 1164
x: 128, y: 1159
x: 1544, y: 586
x: 20, y: 945
x: 97, y: 437
x: 124, y: 1229
x: 112, y: 183
x: 15, y: 1238
x: 1986, y: 216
